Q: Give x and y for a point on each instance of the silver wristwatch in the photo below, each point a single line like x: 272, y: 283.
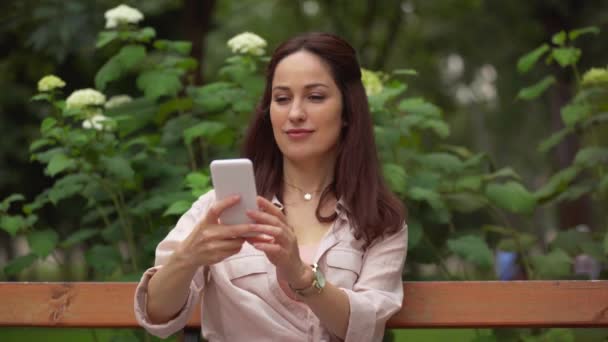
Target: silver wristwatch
x: 318, y: 283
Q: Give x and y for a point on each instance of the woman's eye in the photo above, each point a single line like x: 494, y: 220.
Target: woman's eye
x: 316, y: 98
x: 281, y: 99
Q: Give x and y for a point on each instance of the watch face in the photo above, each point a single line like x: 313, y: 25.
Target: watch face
x: 320, y: 279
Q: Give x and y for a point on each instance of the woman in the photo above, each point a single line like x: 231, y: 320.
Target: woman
x: 323, y: 203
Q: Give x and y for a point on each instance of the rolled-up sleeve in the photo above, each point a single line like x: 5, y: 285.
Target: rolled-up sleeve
x: 378, y: 293
x: 164, y: 250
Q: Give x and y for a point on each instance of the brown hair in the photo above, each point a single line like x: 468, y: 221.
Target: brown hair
x: 370, y: 206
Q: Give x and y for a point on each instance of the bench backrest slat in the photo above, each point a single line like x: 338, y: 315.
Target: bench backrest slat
x: 426, y: 304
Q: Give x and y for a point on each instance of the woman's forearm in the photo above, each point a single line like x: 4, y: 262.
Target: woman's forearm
x: 332, y: 308
x: 169, y: 288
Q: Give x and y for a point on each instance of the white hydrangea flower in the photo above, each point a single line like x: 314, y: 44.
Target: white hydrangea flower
x: 50, y: 82
x: 247, y: 43
x: 371, y: 82
x: 122, y: 14
x: 117, y: 101
x: 97, y: 121
x: 84, y: 98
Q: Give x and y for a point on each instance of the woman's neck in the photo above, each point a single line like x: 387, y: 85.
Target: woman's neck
x: 309, y: 176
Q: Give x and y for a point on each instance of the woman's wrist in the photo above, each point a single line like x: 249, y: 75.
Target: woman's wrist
x: 304, y: 278
x: 183, y: 261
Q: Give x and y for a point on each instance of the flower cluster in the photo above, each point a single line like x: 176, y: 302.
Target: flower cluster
x: 247, y: 43
x: 97, y: 121
x: 121, y: 15
x: 117, y: 101
x: 84, y: 98
x: 371, y: 81
x: 49, y: 83
x: 595, y: 76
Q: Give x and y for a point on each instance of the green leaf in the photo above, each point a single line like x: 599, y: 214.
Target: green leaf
x: 78, y: 237
x: 67, y: 186
x: 181, y: 47
x: 534, y: 91
x: 12, y: 224
x: 591, y: 156
x: 42, y: 242
x: 178, y: 208
x: 125, y: 60
x: 40, y: 143
x: 105, y: 37
x: 473, y: 249
x: 594, y: 249
x: 555, y: 265
x: 465, y: 202
x: 157, y: 83
x: 144, y: 35
x: 505, y: 172
x: 395, y: 176
x: 575, y: 191
x: 40, y: 97
x: 19, y: 264
x: 441, y: 161
x: 103, y: 259
x: 420, y: 106
x: 427, y: 195
x: 213, y: 98
x: 6, y: 203
x: 553, y: 140
x: 570, y: 241
x: 559, y: 38
x: 605, y: 244
x: 585, y: 30
x: 118, y: 167
x: 521, y: 242
x: 197, y: 180
x: 47, y: 124
x: 205, y: 129
x: 511, y: 196
x: 566, y: 56
x: 410, y: 72
x: 559, y: 182
x: 439, y: 127
x: 58, y: 163
x: 526, y: 62
x: 468, y: 183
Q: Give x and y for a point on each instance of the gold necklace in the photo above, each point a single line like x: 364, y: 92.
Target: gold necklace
x: 307, y: 195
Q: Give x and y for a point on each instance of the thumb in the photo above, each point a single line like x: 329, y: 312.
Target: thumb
x: 218, y: 207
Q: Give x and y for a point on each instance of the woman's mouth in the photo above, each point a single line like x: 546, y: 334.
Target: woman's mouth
x: 299, y: 133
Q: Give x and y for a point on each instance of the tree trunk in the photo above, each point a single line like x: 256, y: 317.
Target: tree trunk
x: 197, y: 22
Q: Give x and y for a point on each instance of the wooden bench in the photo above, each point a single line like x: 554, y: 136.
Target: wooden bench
x: 476, y: 304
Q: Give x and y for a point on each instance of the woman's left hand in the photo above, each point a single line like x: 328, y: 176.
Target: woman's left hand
x: 283, y: 251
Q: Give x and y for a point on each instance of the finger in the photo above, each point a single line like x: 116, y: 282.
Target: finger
x: 225, y: 245
x: 270, y: 248
x: 223, y: 232
x: 260, y: 238
x: 275, y: 232
x: 267, y: 206
x: 218, y: 207
x: 266, y: 218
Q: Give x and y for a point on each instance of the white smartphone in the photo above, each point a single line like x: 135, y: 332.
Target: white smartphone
x: 234, y: 177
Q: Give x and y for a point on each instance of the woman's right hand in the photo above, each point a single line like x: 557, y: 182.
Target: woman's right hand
x: 211, y: 242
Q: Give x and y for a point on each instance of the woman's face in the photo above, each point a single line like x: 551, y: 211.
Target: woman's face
x: 305, y: 108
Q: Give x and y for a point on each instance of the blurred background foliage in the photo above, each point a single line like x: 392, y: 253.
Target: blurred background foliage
x: 504, y: 177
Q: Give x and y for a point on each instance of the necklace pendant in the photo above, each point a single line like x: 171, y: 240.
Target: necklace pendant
x: 307, y: 196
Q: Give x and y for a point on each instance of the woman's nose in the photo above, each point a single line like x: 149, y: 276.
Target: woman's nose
x: 297, y: 112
